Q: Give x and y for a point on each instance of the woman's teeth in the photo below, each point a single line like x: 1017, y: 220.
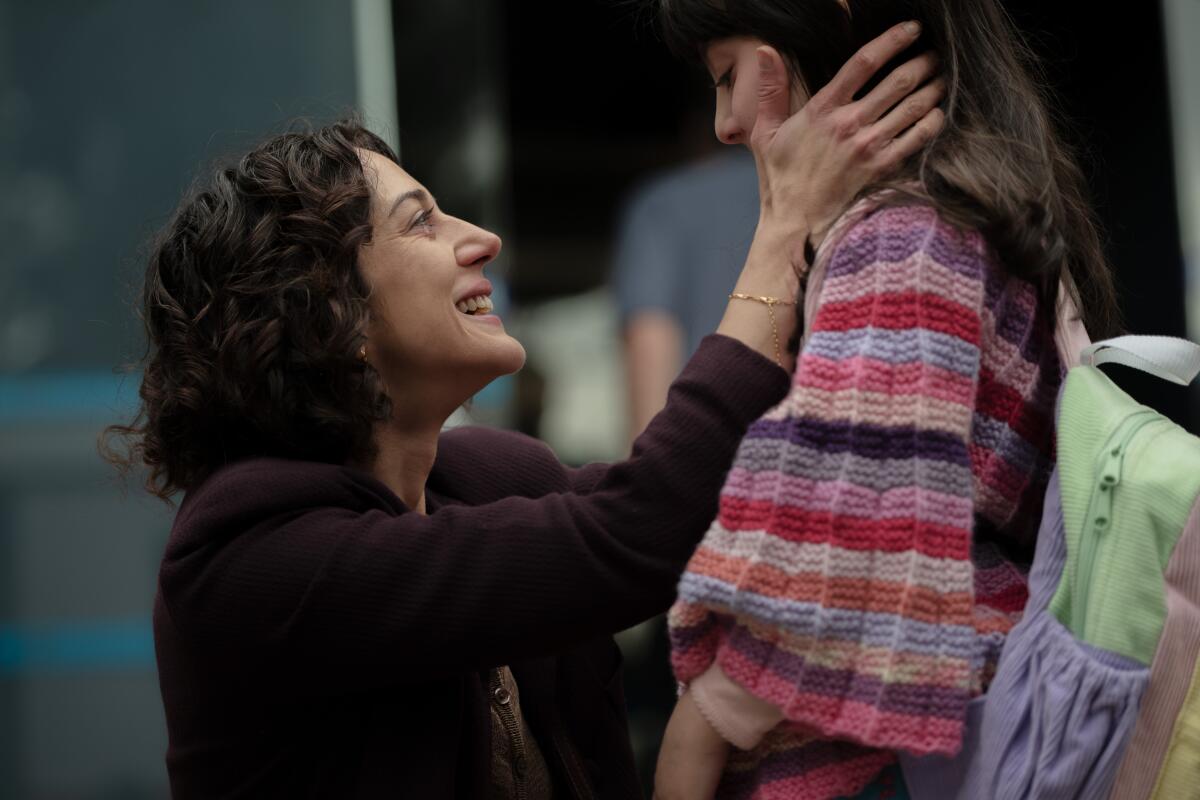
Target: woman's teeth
x: 475, y: 305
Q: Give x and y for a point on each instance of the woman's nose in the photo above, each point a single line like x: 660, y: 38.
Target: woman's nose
x: 477, y: 247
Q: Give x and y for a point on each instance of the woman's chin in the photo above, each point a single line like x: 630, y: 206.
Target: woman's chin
x: 512, y: 358
x: 503, y: 356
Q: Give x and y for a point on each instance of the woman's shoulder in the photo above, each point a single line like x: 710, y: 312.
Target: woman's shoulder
x: 242, y: 494
x: 478, y: 464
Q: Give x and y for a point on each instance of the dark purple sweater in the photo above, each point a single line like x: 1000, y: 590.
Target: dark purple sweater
x: 316, y: 639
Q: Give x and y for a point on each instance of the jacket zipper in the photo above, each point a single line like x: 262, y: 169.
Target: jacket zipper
x: 580, y: 787
x: 1099, y: 522
x: 502, y: 698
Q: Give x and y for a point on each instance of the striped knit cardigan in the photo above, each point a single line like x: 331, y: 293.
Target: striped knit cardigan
x: 853, y: 578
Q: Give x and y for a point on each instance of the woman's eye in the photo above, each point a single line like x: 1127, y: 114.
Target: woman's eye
x: 725, y: 79
x: 424, y: 221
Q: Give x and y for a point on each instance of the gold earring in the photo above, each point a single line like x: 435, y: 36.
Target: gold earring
x: 362, y: 353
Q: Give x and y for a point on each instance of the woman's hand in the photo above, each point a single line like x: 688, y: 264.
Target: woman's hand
x: 692, y: 756
x: 813, y: 163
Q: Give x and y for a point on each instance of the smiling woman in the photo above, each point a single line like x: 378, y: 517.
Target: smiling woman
x: 352, y: 603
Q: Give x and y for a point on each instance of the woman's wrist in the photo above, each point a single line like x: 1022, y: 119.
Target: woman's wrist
x: 775, y: 261
x: 770, y: 278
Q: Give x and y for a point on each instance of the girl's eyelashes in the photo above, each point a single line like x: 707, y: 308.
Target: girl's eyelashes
x: 725, y: 79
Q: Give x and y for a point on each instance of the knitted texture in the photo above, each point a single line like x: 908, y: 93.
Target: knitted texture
x: 851, y: 576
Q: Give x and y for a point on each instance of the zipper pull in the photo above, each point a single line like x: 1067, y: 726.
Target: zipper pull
x: 1110, y: 473
x: 1104, y: 503
x: 1110, y: 476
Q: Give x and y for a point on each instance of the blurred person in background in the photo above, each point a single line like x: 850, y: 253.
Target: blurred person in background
x: 678, y: 250
x: 352, y: 603
x: 870, y: 552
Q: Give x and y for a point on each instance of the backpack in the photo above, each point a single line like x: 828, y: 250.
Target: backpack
x: 1097, y: 691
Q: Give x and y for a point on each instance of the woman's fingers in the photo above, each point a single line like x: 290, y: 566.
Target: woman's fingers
x: 908, y: 112
x: 911, y: 141
x: 855, y: 73
x: 895, y: 87
x: 773, y: 90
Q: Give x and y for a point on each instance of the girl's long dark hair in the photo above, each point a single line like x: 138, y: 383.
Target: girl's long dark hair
x: 998, y: 166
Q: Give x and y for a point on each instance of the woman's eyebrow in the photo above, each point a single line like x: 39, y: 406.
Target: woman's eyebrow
x: 420, y: 195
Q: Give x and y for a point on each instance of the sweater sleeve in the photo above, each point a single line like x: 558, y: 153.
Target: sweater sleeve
x: 836, y: 581
x: 304, y: 575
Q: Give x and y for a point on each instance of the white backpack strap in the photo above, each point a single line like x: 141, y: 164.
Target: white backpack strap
x: 1174, y: 360
x: 1070, y: 336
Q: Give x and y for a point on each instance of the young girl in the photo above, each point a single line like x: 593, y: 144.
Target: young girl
x: 868, y: 555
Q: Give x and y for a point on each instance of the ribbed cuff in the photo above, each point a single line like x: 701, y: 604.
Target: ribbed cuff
x: 741, y: 718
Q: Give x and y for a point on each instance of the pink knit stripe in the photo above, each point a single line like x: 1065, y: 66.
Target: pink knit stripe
x: 856, y: 594
x: 850, y: 498
x: 888, y: 535
x: 828, y: 652
x: 794, y: 558
x: 917, y: 269
x: 874, y: 375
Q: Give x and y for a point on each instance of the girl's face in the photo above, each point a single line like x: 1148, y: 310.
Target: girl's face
x: 733, y: 65
x: 431, y: 336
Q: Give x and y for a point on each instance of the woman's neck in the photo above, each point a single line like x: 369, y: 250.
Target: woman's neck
x: 403, y: 460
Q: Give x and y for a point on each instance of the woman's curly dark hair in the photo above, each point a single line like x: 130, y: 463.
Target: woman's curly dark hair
x: 255, y: 311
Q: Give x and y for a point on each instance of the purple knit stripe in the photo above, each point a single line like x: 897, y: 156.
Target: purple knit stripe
x: 912, y: 699
x: 985, y: 555
x: 868, y: 441
x: 1015, y: 328
x: 684, y: 637
x: 803, y: 618
x: 1011, y: 307
x: 877, y: 474
x: 896, y: 234
x: 910, y: 346
x: 996, y: 436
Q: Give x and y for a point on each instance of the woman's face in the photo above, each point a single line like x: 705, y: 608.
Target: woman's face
x: 432, y: 336
x: 733, y: 65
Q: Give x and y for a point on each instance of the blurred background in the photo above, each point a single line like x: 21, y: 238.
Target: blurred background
x: 565, y: 127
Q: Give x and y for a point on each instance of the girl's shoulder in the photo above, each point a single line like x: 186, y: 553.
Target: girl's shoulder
x: 892, y: 226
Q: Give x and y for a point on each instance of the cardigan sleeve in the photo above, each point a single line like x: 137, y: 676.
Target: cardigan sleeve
x: 317, y: 574
x: 836, y: 582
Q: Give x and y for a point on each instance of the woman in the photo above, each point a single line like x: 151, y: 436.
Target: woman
x: 350, y: 603
x: 868, y: 557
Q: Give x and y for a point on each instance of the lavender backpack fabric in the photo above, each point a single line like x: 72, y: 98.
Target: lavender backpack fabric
x: 1107, y: 619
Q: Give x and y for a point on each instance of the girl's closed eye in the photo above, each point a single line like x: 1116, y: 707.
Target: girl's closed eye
x: 725, y: 80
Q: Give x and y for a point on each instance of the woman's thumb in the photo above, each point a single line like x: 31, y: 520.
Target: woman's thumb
x: 772, y: 94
